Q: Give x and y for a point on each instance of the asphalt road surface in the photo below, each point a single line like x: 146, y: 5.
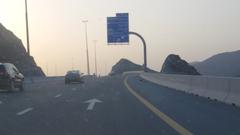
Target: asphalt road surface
x: 112, y: 106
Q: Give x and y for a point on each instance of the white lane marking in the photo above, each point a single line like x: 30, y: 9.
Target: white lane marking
x: 57, y: 96
x: 92, y: 103
x: 24, y: 111
x: 1, y: 102
x: 74, y: 89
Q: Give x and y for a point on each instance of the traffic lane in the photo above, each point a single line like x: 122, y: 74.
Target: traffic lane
x: 128, y: 114
x: 18, y: 118
x: 197, y: 114
x: 58, y: 116
x: 49, y: 95
x: 15, y: 104
x: 35, y: 93
x: 119, y: 113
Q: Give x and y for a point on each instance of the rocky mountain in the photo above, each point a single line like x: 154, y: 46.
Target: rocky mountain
x: 125, y: 65
x: 223, y: 64
x: 175, y: 65
x: 13, y: 51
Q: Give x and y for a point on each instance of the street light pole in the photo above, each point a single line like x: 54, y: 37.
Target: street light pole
x: 27, y: 29
x: 85, y: 22
x: 72, y: 64
x: 95, y: 51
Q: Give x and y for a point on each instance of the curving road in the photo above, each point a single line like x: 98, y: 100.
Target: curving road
x: 112, y: 106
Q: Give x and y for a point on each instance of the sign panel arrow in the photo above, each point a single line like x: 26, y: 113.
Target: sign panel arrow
x: 92, y: 103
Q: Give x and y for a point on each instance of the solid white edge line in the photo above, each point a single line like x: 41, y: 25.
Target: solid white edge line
x: 24, y: 111
x: 59, y: 95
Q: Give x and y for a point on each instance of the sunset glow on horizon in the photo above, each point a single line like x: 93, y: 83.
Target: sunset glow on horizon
x: 193, y: 29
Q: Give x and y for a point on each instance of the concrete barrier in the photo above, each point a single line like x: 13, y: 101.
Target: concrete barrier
x: 131, y: 72
x: 161, y: 80
x: 234, y: 95
x: 217, y: 88
x: 224, y: 89
x: 172, y: 81
x: 199, y: 85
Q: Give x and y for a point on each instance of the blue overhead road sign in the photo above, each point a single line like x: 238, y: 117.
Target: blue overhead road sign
x: 118, y: 33
x: 118, y: 29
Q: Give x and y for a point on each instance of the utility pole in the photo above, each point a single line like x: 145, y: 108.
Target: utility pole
x: 95, y: 52
x: 85, y: 22
x: 47, y: 68
x: 27, y: 29
x: 56, y: 73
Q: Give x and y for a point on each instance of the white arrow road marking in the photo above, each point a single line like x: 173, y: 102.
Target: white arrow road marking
x: 59, y: 95
x: 24, y: 111
x: 92, y: 103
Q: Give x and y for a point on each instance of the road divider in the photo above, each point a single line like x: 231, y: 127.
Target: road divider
x: 173, y: 124
x: 234, y: 94
x: 24, y: 111
x: 224, y: 89
x: 132, y: 72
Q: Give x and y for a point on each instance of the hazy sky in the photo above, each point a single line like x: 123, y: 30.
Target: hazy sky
x: 194, y: 29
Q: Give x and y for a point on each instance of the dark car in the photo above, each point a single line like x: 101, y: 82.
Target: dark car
x: 10, y: 77
x: 73, y: 76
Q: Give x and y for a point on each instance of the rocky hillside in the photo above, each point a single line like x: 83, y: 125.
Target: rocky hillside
x: 125, y: 65
x: 13, y: 51
x: 223, y: 64
x: 175, y: 65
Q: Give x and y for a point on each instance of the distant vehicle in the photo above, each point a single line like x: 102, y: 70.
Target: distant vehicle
x: 73, y: 76
x: 10, y: 77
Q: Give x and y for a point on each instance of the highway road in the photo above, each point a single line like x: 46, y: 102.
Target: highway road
x: 112, y: 106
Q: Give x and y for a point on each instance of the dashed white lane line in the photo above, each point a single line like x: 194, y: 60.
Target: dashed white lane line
x: 57, y: 96
x: 24, y: 111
